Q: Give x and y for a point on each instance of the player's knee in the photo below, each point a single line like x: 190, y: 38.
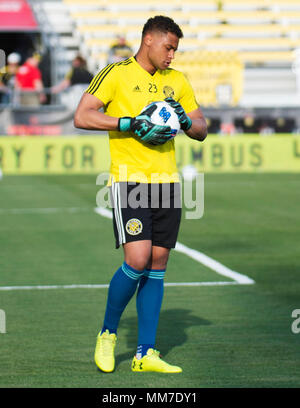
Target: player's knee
x: 138, y: 260
x: 159, y: 258
x: 157, y: 265
x: 138, y: 263
x: 137, y: 254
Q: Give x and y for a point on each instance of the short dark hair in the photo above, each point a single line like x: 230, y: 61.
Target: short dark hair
x: 163, y: 24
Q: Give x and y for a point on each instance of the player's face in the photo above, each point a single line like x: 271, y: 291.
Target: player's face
x: 162, y: 47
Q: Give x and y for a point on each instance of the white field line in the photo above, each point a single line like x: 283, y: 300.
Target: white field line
x: 105, y: 286
x: 237, y: 278
x: 50, y: 210
x: 214, y: 265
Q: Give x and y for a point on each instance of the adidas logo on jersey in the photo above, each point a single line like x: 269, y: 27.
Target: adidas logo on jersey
x: 137, y: 89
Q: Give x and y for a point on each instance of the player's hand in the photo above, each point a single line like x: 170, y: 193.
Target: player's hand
x: 184, y: 120
x: 147, y: 131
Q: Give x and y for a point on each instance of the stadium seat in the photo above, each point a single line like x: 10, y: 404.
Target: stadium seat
x: 266, y: 58
x: 243, y: 44
x: 211, y: 74
x: 234, y: 5
x: 263, y: 32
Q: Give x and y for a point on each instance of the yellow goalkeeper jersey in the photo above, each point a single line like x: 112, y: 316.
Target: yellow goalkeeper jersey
x: 126, y: 88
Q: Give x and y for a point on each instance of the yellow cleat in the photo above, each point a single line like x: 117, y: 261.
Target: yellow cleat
x: 104, y: 352
x: 153, y: 362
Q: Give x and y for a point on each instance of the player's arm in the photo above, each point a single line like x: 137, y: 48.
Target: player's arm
x: 198, y: 129
x: 88, y: 116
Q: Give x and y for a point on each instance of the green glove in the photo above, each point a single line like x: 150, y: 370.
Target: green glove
x: 184, y: 120
x: 142, y: 127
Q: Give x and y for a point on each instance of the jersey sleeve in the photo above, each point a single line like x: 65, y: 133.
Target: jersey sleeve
x: 103, y: 84
x: 187, y: 97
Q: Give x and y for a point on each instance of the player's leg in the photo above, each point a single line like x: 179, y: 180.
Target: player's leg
x: 124, y: 282
x: 149, y: 299
x: 131, y: 231
x: 121, y: 289
x: 165, y: 224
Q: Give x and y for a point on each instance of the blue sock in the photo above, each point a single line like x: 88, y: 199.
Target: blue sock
x: 142, y: 350
x: 121, y: 289
x: 148, y: 302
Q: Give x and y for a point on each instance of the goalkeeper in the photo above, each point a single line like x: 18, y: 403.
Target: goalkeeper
x: 139, y: 151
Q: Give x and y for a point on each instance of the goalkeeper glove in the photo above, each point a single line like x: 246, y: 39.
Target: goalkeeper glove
x: 184, y: 120
x: 142, y: 127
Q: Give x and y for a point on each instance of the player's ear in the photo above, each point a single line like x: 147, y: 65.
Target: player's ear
x: 148, y: 39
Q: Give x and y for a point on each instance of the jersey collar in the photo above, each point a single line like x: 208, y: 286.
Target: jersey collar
x: 143, y: 69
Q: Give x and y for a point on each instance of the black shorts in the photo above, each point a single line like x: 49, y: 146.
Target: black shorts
x: 146, y: 211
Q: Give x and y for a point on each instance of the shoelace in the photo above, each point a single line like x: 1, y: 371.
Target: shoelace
x: 106, y: 345
x: 156, y: 353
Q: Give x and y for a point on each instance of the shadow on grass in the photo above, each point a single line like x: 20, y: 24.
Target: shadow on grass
x: 172, y: 331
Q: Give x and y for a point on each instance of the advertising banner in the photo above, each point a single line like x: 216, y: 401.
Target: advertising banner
x: 90, y: 154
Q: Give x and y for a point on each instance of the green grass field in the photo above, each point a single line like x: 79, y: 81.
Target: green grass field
x: 222, y: 336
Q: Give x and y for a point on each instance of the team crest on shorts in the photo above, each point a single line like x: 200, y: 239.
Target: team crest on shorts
x: 134, y: 226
